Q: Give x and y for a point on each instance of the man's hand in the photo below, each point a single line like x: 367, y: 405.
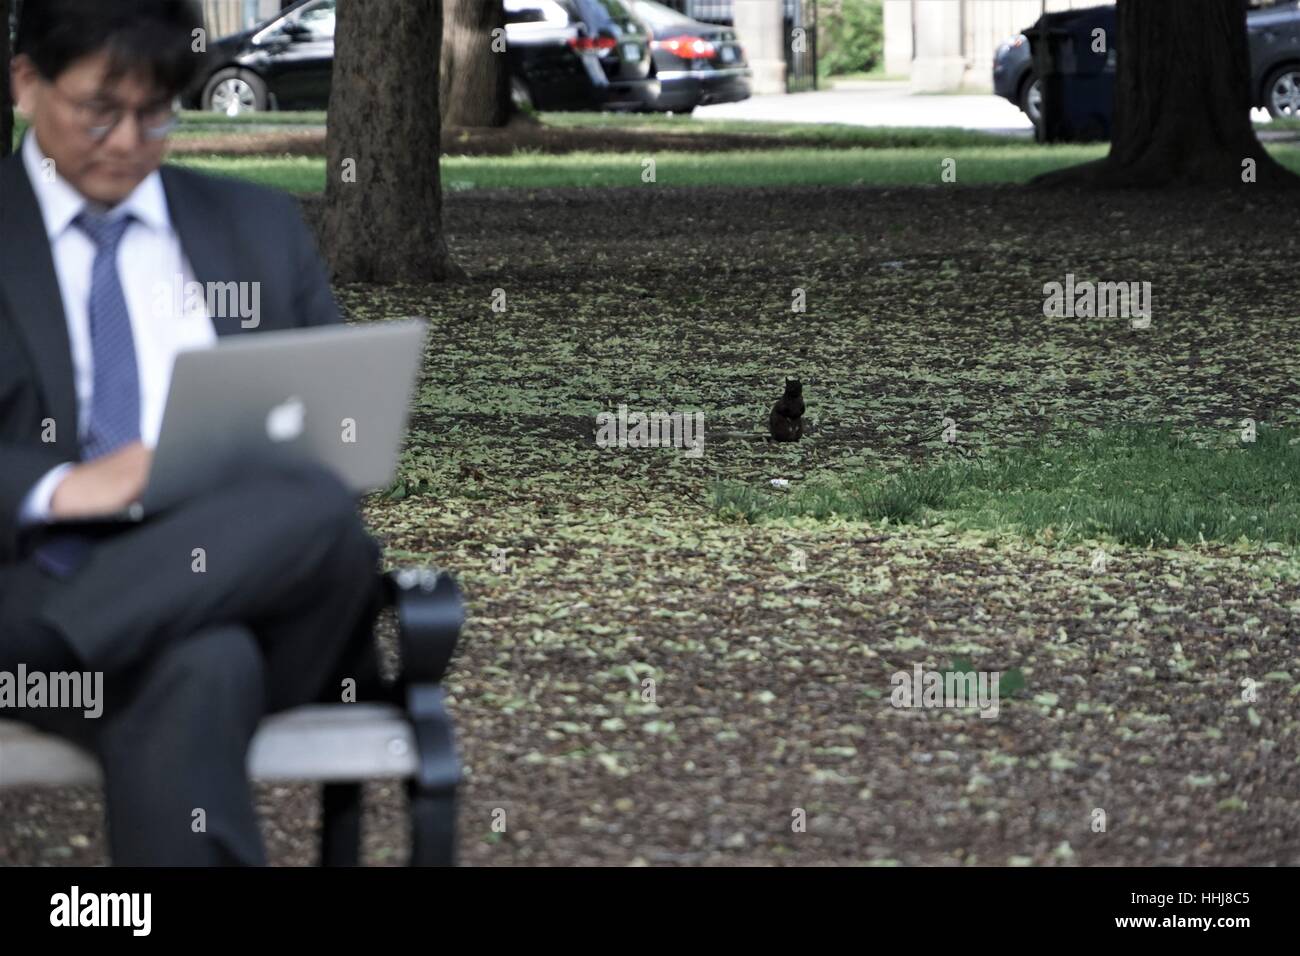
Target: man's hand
x: 105, y: 485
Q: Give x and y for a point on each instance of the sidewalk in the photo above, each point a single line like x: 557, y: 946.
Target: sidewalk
x: 888, y: 103
x: 883, y: 103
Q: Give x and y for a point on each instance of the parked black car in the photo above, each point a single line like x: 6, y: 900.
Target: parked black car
x: 579, y: 54
x: 1274, y: 34
x: 698, y: 63
x: 1273, y: 29
x: 283, y: 63
x: 564, y: 54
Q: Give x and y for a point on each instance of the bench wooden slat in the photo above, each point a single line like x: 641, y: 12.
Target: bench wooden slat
x: 325, y: 742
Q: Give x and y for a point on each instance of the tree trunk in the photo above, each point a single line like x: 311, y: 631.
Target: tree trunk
x: 6, y: 101
x: 475, y: 88
x: 1182, y: 102
x: 383, y: 192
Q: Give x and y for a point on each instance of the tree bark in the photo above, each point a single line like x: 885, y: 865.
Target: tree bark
x: 1182, y: 102
x: 475, y: 88
x: 6, y: 100
x: 383, y: 193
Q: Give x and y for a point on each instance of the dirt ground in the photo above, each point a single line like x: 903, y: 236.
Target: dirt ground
x: 771, y: 684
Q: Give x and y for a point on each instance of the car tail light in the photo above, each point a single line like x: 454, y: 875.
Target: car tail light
x: 597, y: 45
x: 688, y: 47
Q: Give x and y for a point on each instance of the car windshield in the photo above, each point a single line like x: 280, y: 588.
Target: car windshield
x: 318, y: 18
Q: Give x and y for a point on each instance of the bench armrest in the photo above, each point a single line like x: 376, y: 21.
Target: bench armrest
x: 430, y: 614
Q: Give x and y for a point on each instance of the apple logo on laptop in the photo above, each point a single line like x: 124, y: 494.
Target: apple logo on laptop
x: 285, y: 422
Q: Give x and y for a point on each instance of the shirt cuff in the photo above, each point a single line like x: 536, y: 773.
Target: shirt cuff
x: 36, y: 506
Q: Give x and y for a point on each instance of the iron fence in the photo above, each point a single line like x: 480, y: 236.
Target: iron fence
x: 800, y: 35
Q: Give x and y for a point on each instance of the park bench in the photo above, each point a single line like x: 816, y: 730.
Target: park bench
x: 338, y: 745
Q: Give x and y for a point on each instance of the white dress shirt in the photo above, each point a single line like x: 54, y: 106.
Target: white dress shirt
x: 154, y: 273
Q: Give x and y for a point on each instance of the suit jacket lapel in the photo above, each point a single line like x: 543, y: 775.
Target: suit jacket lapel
x: 205, y: 240
x: 30, y: 288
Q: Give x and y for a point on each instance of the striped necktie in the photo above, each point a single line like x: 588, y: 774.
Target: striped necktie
x: 115, y: 401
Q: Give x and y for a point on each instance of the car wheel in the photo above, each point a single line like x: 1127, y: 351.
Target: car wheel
x: 1282, y: 93
x: 235, y: 92
x: 1031, y: 99
x: 519, y: 95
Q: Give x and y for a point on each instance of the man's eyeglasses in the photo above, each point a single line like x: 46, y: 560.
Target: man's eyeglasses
x: 100, y: 119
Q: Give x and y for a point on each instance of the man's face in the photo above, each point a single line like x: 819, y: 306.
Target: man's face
x: 63, y: 113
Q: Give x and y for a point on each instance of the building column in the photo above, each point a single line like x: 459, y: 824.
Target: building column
x: 939, y: 65
x: 760, y: 24
x: 898, y: 37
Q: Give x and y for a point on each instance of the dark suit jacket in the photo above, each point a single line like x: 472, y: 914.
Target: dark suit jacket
x: 230, y: 231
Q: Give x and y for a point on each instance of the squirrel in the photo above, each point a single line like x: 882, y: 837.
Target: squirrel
x: 786, y: 421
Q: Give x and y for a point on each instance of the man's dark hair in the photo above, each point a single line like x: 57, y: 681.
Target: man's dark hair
x: 150, y: 36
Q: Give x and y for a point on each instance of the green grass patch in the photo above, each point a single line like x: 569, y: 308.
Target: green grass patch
x: 785, y: 167
x: 196, y: 123
x: 200, y: 120
x: 201, y: 123
x: 870, y: 137
x: 294, y: 174
x: 1137, y: 486
x: 1282, y: 123
x: 877, y: 75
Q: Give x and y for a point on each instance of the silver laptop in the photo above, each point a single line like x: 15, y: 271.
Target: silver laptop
x: 338, y: 396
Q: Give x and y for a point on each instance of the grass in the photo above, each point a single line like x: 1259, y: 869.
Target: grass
x: 871, y: 76
x: 878, y: 137
x: 786, y: 167
x: 200, y: 118
x: 1282, y: 123
x: 863, y: 156
x: 1136, y: 486
x: 200, y: 123
x: 911, y: 166
x: 294, y: 174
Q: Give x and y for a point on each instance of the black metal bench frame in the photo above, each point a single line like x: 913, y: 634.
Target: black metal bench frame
x: 430, y: 614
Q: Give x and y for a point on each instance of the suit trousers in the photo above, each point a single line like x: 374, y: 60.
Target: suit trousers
x: 252, y: 599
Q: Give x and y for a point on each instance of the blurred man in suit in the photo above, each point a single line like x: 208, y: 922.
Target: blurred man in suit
x: 252, y: 598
